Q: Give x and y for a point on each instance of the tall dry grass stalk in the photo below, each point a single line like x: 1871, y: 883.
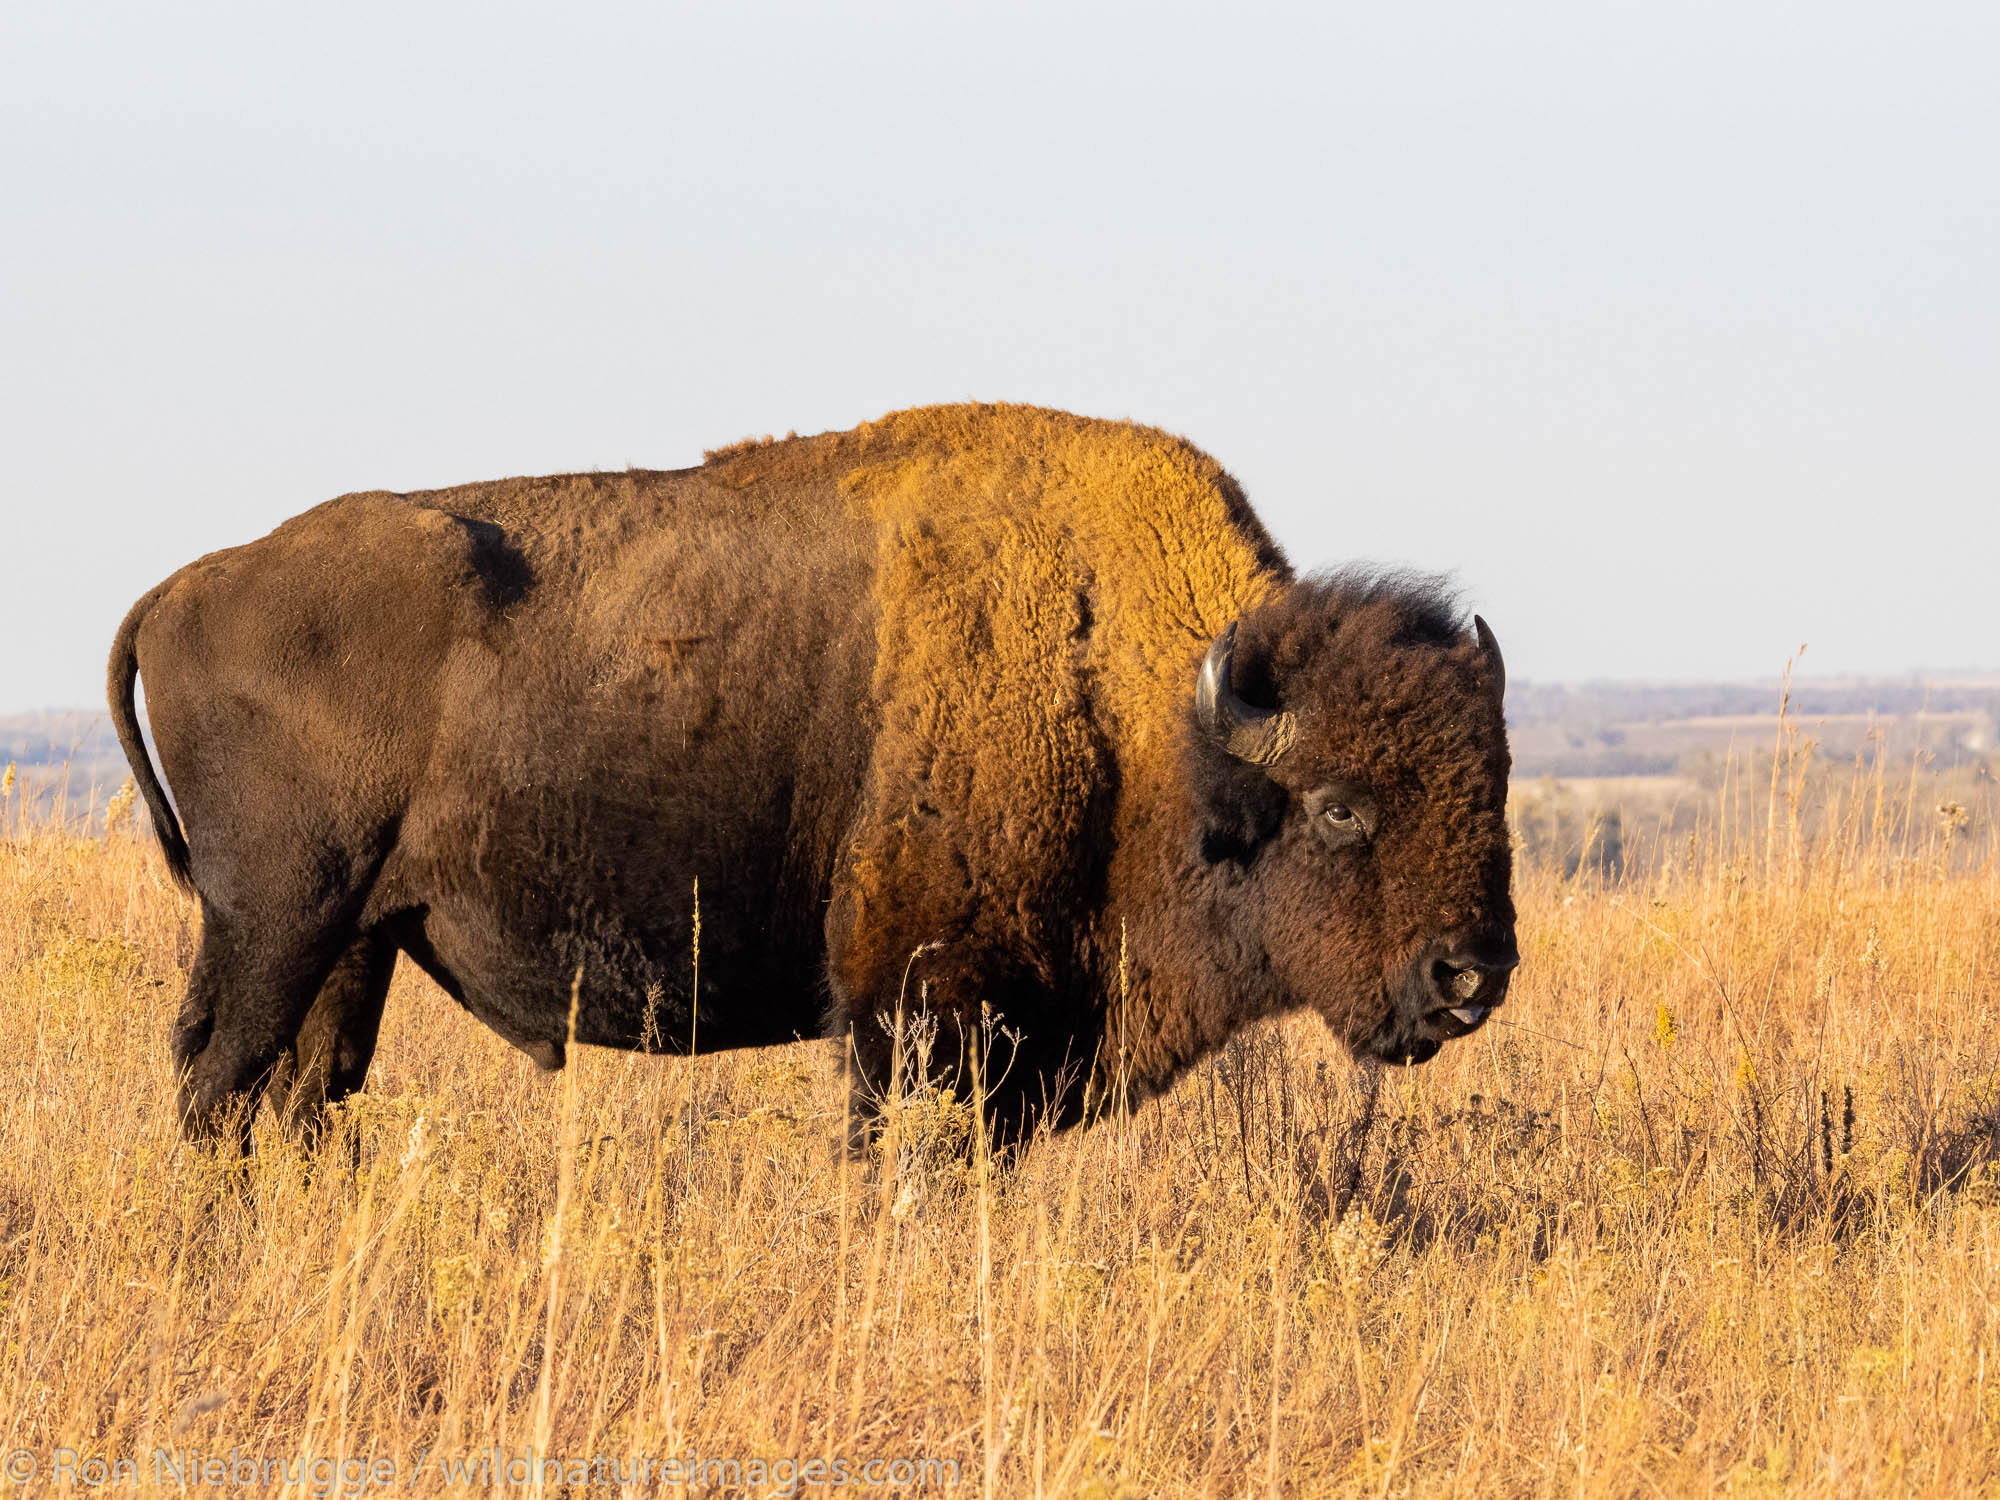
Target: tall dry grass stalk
x: 1715, y: 1207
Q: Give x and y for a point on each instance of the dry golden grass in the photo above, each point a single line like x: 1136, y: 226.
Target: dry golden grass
x: 1716, y: 1211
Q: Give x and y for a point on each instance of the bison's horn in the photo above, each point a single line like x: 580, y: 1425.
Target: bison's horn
x: 1492, y: 648
x: 1257, y: 735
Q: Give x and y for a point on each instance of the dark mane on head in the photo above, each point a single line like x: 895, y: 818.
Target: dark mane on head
x: 1424, y: 606
x: 1358, y: 611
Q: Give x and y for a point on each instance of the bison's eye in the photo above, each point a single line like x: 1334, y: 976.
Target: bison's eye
x: 1342, y: 813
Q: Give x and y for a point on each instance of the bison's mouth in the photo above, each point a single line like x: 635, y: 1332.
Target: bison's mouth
x: 1415, y: 1026
x: 1396, y: 1042
x: 1458, y: 1020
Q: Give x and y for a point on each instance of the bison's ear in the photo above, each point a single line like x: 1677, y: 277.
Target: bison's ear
x: 1236, y: 808
x: 1236, y: 804
x: 1260, y: 736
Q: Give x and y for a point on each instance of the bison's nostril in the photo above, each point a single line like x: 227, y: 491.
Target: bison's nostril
x: 1467, y: 987
x: 1456, y: 983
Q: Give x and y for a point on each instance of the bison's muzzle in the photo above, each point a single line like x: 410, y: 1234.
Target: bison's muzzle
x: 1448, y: 991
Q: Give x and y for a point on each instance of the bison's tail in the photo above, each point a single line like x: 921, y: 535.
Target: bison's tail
x: 123, y: 675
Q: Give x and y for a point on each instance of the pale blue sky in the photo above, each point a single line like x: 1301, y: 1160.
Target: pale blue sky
x: 1674, y: 330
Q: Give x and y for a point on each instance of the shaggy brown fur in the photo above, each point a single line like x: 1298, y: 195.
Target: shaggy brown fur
x: 914, y: 703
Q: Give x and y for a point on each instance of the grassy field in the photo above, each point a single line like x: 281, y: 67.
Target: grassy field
x: 1715, y: 1211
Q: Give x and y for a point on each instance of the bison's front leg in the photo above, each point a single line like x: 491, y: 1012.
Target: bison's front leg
x: 951, y: 1013
x: 861, y: 977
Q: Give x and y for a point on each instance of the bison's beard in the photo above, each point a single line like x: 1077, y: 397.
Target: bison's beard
x: 1387, y: 1026
x: 1397, y: 1039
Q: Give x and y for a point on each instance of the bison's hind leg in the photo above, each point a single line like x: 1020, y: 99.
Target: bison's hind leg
x: 328, y: 1059
x: 247, y: 997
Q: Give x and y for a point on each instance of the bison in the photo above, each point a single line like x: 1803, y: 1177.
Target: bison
x: 1008, y: 720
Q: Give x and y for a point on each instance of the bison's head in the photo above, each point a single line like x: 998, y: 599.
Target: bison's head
x: 1351, y: 786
